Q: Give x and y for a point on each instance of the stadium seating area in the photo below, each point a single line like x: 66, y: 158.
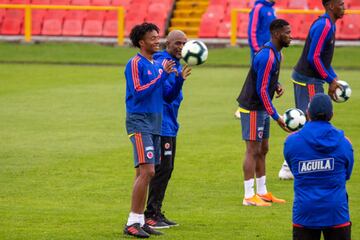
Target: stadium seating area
x: 203, y: 18
x: 82, y: 22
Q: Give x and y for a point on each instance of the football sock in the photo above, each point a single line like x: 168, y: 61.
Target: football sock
x: 249, y: 188
x: 261, y: 185
x: 134, y: 218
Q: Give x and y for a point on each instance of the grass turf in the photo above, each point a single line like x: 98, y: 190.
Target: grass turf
x: 66, y: 163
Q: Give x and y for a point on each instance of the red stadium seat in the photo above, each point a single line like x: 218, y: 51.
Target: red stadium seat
x: 11, y: 26
x: 242, y: 30
x: 110, y: 28
x: 101, y: 2
x: 354, y: 4
x: 135, y: 16
x: 124, y: 3
x: 2, y: 13
x: 36, y: 25
x: 80, y: 2
x: 215, y: 12
x: 59, y: 2
x: 4, y: 1
x: 72, y: 27
x: 111, y: 15
x: 129, y: 24
x: 315, y: 4
x: 55, y: 14
x: 40, y: 2
x: 14, y: 14
x: 19, y: 1
x: 282, y: 4
x: 298, y: 4
x: 158, y: 21
x: 158, y: 10
x: 95, y: 15
x: 92, y: 28
x: 38, y: 14
x: 76, y: 15
x: 209, y: 27
x: 52, y: 27
x: 349, y: 28
x: 224, y: 30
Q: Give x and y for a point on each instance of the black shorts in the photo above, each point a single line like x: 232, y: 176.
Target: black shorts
x: 340, y: 232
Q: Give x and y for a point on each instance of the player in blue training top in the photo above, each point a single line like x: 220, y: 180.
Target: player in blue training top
x: 314, y: 66
x: 321, y: 159
x: 260, y: 18
x: 255, y: 101
x: 144, y: 107
x: 174, y: 43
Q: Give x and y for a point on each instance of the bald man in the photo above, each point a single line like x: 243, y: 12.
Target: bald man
x: 157, y: 188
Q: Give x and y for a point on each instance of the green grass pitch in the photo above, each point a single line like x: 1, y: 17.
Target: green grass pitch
x: 66, y: 168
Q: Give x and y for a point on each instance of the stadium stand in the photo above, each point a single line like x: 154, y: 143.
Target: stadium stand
x: 197, y: 18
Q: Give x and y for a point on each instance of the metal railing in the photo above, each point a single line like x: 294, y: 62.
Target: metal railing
x: 29, y: 7
x: 235, y: 11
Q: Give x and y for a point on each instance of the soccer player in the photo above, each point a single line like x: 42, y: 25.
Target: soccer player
x: 260, y: 17
x: 255, y: 101
x: 321, y: 159
x: 174, y: 43
x: 314, y: 66
x: 144, y: 107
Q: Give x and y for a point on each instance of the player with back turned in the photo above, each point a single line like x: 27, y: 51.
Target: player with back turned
x: 314, y: 66
x: 255, y: 101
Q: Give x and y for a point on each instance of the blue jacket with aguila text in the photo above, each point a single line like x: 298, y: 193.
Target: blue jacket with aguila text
x: 321, y: 159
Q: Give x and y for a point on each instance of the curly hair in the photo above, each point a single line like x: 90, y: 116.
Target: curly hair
x: 138, y: 32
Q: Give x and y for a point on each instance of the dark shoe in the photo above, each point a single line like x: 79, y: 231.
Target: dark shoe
x: 150, y: 230
x: 167, y: 221
x: 136, y: 231
x: 156, y: 223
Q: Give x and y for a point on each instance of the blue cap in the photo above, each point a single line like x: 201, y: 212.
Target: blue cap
x: 320, y: 107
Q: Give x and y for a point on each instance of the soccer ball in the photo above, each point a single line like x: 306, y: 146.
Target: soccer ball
x: 294, y: 119
x: 344, y: 93
x: 194, y: 52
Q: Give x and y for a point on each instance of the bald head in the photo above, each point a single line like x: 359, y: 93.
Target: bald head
x: 175, y: 41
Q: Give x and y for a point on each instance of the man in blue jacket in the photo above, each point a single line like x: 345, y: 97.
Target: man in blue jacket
x: 255, y: 102
x: 260, y: 18
x: 321, y: 159
x: 314, y: 66
x: 144, y: 108
x: 175, y: 41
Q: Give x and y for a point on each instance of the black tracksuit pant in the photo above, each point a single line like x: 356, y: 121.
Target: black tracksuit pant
x: 159, y: 182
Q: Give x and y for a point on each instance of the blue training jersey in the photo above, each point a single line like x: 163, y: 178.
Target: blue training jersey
x: 321, y: 159
x: 172, y: 96
x: 144, y: 95
x: 260, y: 19
x: 318, y: 51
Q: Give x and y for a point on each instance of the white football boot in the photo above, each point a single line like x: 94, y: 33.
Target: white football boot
x: 285, y: 173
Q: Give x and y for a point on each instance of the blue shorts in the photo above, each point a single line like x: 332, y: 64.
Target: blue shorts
x: 146, y: 148
x: 304, y: 89
x: 255, y: 125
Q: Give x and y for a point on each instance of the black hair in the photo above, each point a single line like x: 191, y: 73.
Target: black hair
x: 278, y: 24
x: 325, y: 2
x: 138, y: 32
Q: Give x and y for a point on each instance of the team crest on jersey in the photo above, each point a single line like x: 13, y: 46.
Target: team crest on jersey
x: 149, y: 155
x: 167, y: 145
x: 317, y: 165
x: 149, y: 72
x: 269, y: 13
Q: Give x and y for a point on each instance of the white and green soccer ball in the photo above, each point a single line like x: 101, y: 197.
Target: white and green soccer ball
x: 343, y: 93
x: 294, y: 119
x: 194, y: 52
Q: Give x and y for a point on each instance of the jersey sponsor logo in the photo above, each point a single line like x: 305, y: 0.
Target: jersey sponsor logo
x: 269, y: 14
x: 150, y: 148
x: 317, y: 165
x: 160, y: 71
x: 167, y: 153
